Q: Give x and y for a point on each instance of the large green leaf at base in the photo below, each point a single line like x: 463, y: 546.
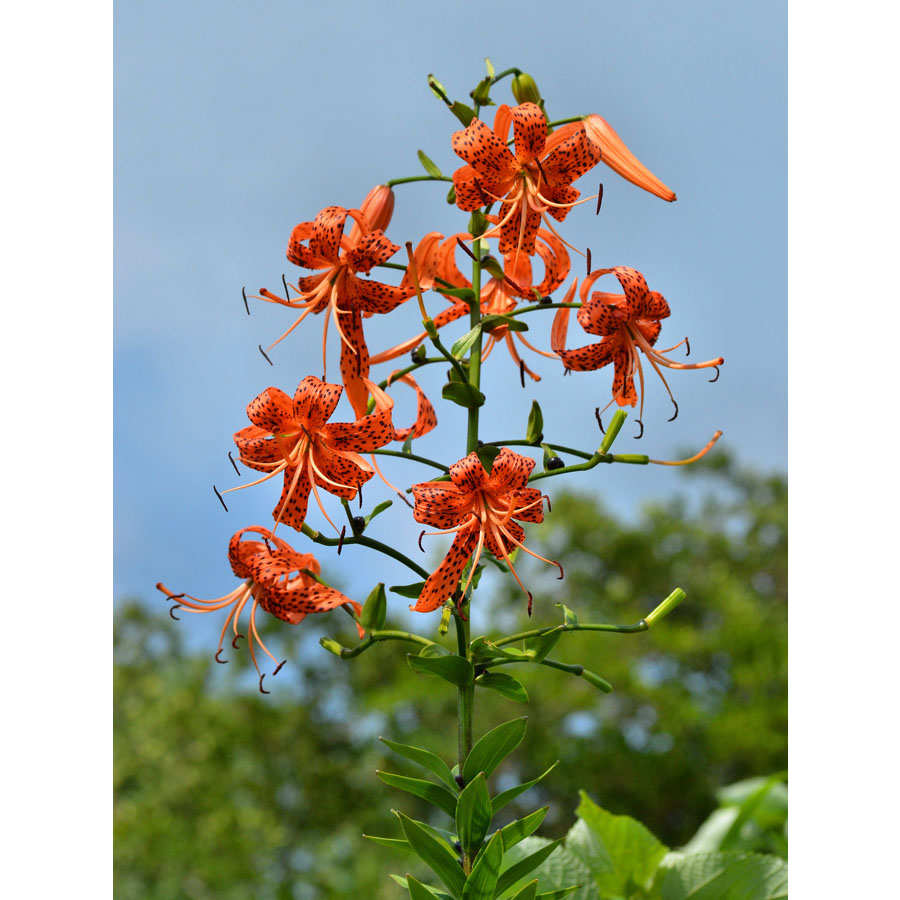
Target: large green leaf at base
x: 722, y: 876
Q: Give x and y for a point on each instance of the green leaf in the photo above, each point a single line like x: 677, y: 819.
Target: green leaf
x: 482, y: 881
x: 569, y: 618
x: 408, y: 590
x: 523, y: 867
x: 464, y: 113
x: 491, y: 749
x: 463, y: 394
x: 406, y: 447
x: 558, y: 895
x: 424, y: 758
x: 618, y: 850
x: 435, y: 853
x: 473, y: 815
x: 521, y: 828
x: 539, y: 646
x: 374, y: 610
x: 462, y: 346
x: 549, y: 453
x: 535, y: 430
x: 482, y: 648
x: 508, y: 796
x: 527, y: 892
x: 722, y: 876
x: 504, y: 684
x: 429, y: 166
x: 432, y: 892
x: 481, y: 94
x: 560, y: 875
x: 433, y: 651
x: 452, y: 668
x: 435, y: 794
x: 489, y: 323
x: 393, y: 843
x: 417, y: 890
x: 385, y: 504
x: 487, y: 453
x: 465, y: 294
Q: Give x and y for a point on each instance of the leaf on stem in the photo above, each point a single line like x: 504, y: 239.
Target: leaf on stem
x: 473, y: 815
x: 436, y: 854
x: 503, y: 684
x: 411, y: 591
x: 435, y: 794
x: 374, y: 610
x: 535, y: 430
x: 429, y: 166
x: 455, y: 669
x: 493, y: 748
x: 508, y: 796
x: 424, y: 758
x: 463, y: 394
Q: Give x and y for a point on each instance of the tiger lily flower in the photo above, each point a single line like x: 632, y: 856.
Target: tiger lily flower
x: 277, y: 578
x: 479, y: 508
x: 621, y: 160
x: 337, y: 290
x: 531, y: 183
x: 294, y: 437
x: 627, y: 323
x: 499, y: 296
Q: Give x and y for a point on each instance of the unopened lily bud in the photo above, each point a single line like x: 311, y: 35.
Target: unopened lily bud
x: 378, y: 207
x: 525, y: 90
x: 477, y: 223
x: 620, y: 159
x: 331, y: 645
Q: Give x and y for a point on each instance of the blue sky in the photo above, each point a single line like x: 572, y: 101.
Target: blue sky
x: 234, y: 123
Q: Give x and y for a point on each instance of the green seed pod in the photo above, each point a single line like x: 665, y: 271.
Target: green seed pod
x: 525, y: 90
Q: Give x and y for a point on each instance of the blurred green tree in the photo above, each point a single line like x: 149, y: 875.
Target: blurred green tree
x: 223, y: 793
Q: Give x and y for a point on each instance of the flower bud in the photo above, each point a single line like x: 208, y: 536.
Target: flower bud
x: 525, y: 90
x: 620, y: 159
x: 331, y: 645
x: 378, y: 207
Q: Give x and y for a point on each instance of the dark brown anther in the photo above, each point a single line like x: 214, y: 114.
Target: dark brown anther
x: 641, y: 433
x: 530, y: 603
x: 421, y: 535
x: 359, y: 491
x: 341, y: 540
x: 262, y: 690
x: 172, y: 612
x: 246, y: 304
x: 549, y: 507
x: 599, y: 420
x: 460, y: 781
x: 522, y: 371
x: 566, y: 371
x: 174, y: 596
x: 279, y: 667
x: 540, y: 169
x: 269, y: 361
x: 711, y: 380
x: 562, y: 574
x: 287, y: 293
x: 675, y: 416
x: 231, y: 458
x: 588, y: 258
x: 403, y: 498
x: 599, y: 198
x: 465, y: 248
x: 458, y: 598
x: 220, y: 498
x: 234, y: 641
x: 687, y: 344
x: 220, y: 661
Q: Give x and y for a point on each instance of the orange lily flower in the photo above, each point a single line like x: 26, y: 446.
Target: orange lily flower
x: 499, y: 296
x: 336, y: 290
x: 628, y: 322
x: 620, y: 159
x: 291, y: 436
x: 277, y: 578
x: 532, y: 183
x: 479, y: 508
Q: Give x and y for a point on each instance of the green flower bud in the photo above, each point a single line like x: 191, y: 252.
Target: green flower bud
x: 525, y: 90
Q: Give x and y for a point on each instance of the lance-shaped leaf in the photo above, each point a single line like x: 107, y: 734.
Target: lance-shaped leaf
x: 482, y: 648
x: 393, y: 843
x: 455, y: 669
x: 486, y: 454
x: 508, y: 796
x: 540, y: 645
x: 435, y: 853
x: 467, y: 295
x: 435, y: 794
x: 521, y: 828
x: 462, y: 345
x: 558, y: 895
x: 535, y: 430
x: 473, y: 815
x: 432, y: 892
x: 491, y: 749
x: 429, y: 166
x: 463, y: 394
x: 709, y: 876
x: 434, y: 650
x: 385, y: 504
x: 527, y: 892
x: 569, y: 618
x: 374, y: 610
x: 524, y: 866
x: 482, y: 883
x: 411, y: 591
x: 417, y: 890
x: 424, y: 758
x: 489, y: 323
x: 504, y: 684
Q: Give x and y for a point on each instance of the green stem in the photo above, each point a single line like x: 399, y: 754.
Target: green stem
x: 394, y: 181
x: 318, y: 538
x: 504, y: 74
x: 539, y: 306
x: 421, y: 459
x: 559, y: 447
x: 475, y: 352
x: 556, y: 122
x: 466, y: 692
x: 373, y: 637
x: 634, y: 459
x: 539, y: 632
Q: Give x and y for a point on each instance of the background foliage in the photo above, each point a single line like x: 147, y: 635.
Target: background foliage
x: 223, y: 793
